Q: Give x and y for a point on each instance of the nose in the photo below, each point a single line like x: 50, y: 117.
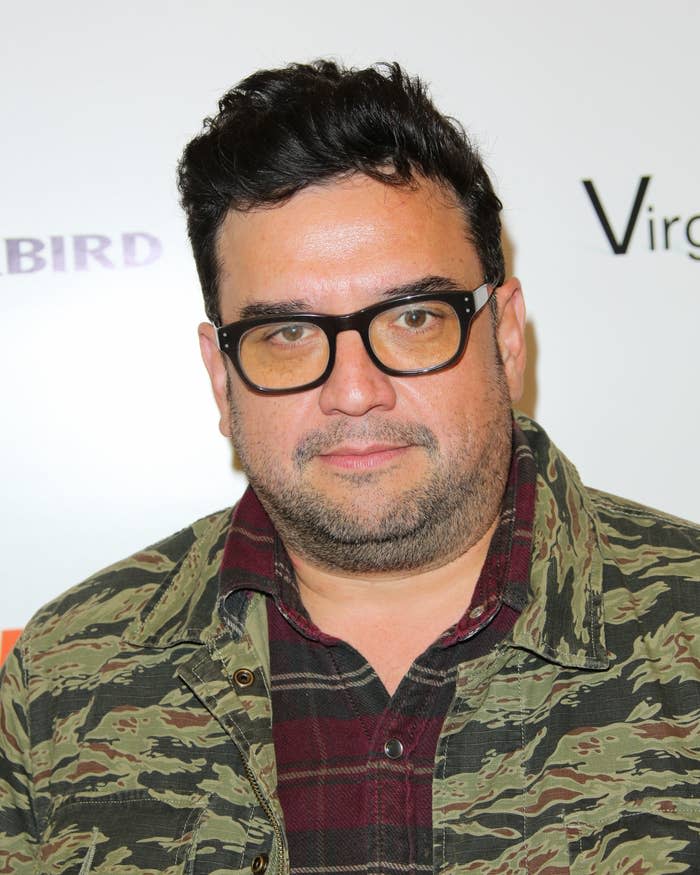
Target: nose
x: 355, y: 385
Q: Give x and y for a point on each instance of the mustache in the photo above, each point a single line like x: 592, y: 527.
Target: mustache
x: 323, y: 440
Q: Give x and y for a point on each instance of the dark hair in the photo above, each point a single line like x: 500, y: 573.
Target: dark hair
x: 281, y: 130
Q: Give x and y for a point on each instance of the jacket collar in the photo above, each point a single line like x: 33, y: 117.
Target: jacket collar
x: 182, y: 601
x: 563, y: 621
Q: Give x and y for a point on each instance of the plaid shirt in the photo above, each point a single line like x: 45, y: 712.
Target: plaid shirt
x: 355, y: 766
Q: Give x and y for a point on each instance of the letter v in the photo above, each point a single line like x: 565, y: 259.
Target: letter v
x: 618, y: 248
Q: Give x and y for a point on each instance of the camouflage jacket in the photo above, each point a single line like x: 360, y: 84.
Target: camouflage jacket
x: 136, y: 719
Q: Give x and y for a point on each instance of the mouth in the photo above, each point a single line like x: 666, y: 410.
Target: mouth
x: 363, y: 458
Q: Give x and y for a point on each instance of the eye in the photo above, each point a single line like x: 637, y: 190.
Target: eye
x: 289, y: 333
x: 415, y: 318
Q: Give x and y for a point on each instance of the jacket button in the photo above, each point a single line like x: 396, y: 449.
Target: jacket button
x: 244, y: 677
x: 393, y: 749
x: 259, y: 864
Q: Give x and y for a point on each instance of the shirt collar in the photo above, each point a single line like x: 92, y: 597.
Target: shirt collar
x: 506, y: 570
x: 255, y: 559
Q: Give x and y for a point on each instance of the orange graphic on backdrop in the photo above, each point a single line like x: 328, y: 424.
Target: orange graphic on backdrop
x: 7, y: 642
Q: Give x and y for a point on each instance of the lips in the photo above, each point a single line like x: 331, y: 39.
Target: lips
x: 365, y: 457
x: 369, y: 439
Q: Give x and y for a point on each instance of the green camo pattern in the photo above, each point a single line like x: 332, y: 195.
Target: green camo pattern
x: 130, y: 742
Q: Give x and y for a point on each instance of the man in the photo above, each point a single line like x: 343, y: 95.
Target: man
x: 418, y: 643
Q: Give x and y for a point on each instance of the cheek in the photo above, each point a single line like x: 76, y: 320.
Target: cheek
x: 461, y: 406
x: 270, y: 427
x: 448, y: 399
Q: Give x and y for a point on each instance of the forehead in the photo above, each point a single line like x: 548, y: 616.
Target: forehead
x: 338, y: 245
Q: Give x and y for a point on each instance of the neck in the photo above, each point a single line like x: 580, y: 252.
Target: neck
x: 391, y: 618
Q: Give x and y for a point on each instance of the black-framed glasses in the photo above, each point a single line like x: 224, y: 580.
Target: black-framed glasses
x: 406, y: 336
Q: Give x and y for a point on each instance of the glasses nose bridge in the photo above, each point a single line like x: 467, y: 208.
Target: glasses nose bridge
x: 353, y: 322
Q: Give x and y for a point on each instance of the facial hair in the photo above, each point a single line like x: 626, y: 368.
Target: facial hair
x: 427, y: 525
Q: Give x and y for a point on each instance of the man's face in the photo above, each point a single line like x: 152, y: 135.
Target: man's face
x: 366, y: 473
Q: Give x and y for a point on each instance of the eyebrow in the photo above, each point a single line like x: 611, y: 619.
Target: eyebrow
x: 424, y: 285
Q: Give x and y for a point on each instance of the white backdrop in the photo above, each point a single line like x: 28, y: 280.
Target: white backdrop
x: 109, y: 437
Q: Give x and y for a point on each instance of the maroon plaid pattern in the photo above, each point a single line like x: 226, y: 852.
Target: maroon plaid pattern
x: 355, y: 767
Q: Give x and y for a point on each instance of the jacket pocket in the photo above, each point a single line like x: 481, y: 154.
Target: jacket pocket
x: 130, y: 832
x: 651, y: 835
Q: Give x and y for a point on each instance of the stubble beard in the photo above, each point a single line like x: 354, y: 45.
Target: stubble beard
x: 425, y: 526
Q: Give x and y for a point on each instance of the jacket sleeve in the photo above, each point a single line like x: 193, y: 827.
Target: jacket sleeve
x: 18, y: 831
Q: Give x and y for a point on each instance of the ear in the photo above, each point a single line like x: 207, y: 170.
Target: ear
x: 510, y: 335
x: 215, y: 363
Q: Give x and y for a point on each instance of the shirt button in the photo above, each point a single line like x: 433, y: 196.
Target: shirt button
x: 393, y: 749
x: 243, y: 677
x: 476, y: 612
x: 259, y: 864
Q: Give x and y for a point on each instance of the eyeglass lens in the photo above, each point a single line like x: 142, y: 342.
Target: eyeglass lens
x: 408, y: 337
